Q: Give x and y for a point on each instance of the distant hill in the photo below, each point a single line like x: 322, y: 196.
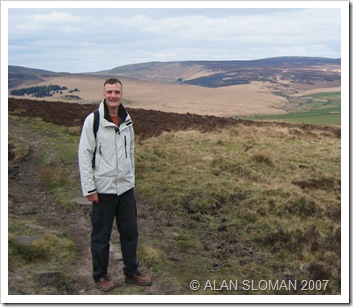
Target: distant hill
x: 306, y: 70
x: 283, y: 76
x: 19, y: 75
x: 222, y: 88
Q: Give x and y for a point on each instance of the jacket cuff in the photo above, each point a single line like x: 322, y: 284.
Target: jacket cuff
x: 91, y: 192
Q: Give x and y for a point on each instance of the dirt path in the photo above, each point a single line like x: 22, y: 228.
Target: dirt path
x: 29, y: 200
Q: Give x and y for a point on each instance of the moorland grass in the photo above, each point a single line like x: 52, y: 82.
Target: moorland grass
x: 259, y: 203
x: 244, y: 203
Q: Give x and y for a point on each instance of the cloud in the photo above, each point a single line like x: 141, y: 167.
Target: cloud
x: 79, y: 40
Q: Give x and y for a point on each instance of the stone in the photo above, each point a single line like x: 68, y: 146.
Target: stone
x: 26, y: 240
x: 48, y: 277
x: 303, y: 267
x: 82, y: 202
x: 33, y: 226
x: 56, y: 232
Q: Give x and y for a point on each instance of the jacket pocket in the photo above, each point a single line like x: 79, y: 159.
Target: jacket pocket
x: 106, y: 165
x: 99, y: 151
x: 96, y: 216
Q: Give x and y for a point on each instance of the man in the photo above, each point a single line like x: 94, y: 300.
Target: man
x: 106, y: 163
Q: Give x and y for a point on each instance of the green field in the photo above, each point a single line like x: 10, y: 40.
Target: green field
x: 317, y: 109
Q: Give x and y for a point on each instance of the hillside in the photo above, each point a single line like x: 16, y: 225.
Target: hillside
x: 221, y: 88
x: 245, y: 99
x: 281, y: 70
x: 19, y: 75
x: 218, y: 199
x: 297, y: 70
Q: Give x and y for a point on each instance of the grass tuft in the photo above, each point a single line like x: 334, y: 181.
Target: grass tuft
x: 150, y: 256
x: 42, y: 248
x: 260, y: 158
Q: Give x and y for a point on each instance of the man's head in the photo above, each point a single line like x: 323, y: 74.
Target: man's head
x: 113, y: 81
x: 113, y: 92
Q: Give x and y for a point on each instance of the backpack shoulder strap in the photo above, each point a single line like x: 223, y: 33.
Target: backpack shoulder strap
x: 95, y: 130
x: 96, y: 122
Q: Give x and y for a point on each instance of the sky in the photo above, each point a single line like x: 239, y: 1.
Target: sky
x: 93, y: 39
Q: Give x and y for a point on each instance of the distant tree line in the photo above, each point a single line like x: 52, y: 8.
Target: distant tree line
x: 40, y: 91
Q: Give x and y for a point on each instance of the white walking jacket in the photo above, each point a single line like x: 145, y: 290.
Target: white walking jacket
x: 114, y: 171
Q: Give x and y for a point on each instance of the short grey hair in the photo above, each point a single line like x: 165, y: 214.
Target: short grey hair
x: 113, y: 81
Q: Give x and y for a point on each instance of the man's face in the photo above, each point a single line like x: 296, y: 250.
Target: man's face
x: 113, y: 93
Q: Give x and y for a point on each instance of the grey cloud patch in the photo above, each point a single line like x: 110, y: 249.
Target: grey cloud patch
x: 68, y: 39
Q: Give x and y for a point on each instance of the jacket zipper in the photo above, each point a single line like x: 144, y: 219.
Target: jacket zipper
x: 125, y: 146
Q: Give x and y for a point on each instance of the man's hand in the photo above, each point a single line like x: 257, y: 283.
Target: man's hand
x: 93, y: 198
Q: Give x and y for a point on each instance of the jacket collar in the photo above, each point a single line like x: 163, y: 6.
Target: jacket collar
x: 121, y: 112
